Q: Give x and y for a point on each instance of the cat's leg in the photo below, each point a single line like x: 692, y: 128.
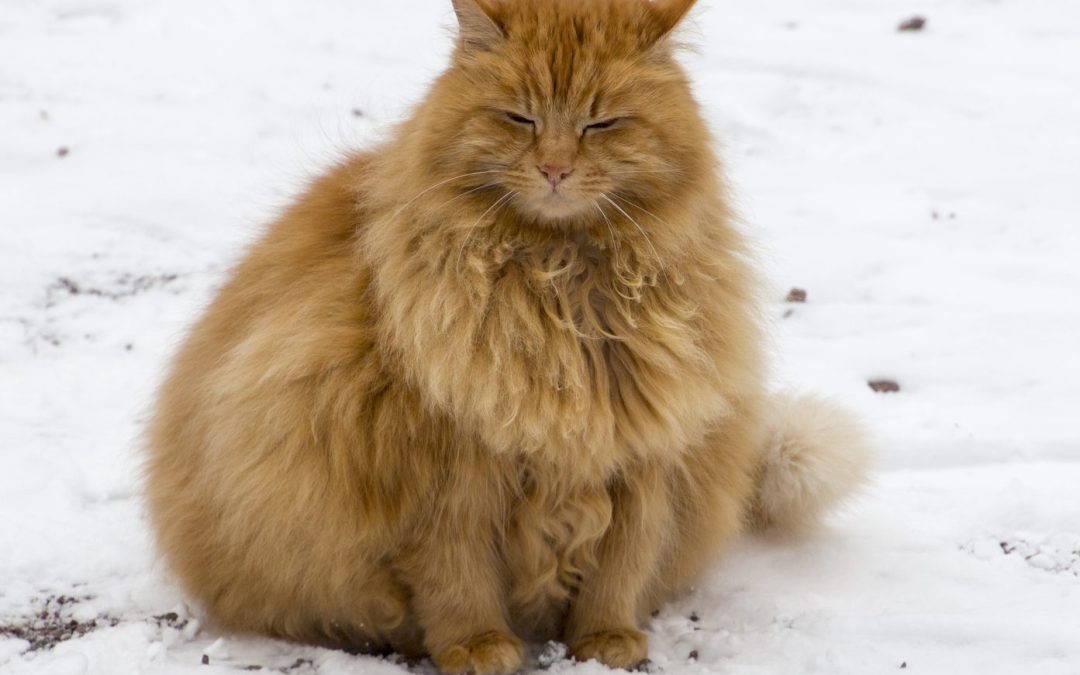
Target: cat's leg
x: 714, y: 487
x: 459, y: 601
x: 458, y: 588
x: 604, y: 618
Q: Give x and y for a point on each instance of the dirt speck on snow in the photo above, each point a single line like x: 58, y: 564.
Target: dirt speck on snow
x: 884, y: 386
x: 915, y: 23
x: 796, y: 295
x: 122, y: 286
x: 53, y: 623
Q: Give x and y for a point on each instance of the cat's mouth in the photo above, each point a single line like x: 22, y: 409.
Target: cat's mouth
x: 557, y: 204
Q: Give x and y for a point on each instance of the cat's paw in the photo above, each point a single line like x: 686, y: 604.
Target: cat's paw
x: 491, y: 653
x: 619, y: 648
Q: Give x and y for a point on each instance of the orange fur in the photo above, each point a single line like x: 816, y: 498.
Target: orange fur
x: 443, y: 405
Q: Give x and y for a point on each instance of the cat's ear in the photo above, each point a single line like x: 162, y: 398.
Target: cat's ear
x: 478, y: 23
x: 665, y: 15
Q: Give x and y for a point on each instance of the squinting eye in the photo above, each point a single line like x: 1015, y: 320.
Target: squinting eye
x: 605, y: 124
x: 520, y: 119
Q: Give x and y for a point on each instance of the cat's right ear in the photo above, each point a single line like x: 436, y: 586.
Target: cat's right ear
x: 666, y: 15
x: 478, y: 24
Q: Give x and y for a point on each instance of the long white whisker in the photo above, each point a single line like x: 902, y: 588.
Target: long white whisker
x: 624, y: 200
x: 436, y: 185
x: 611, y: 229
x: 467, y: 192
x: 638, y: 171
x: 472, y: 230
x: 640, y: 229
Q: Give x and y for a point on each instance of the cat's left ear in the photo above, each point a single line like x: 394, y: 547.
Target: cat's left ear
x: 666, y: 14
x: 478, y: 23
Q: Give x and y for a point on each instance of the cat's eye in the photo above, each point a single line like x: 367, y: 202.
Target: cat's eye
x: 603, y: 124
x: 520, y: 119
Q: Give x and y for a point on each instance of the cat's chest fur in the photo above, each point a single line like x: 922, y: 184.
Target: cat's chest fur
x: 559, y: 349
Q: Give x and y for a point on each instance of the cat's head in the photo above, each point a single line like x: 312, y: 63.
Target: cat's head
x: 566, y: 110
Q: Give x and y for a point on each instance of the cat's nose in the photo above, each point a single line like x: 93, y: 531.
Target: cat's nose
x: 554, y: 173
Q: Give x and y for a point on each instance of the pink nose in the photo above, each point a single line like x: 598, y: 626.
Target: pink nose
x: 555, y: 174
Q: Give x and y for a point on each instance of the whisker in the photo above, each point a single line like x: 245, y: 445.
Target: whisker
x: 629, y: 283
x: 641, y: 208
x: 436, y: 185
x: 637, y: 171
x: 467, y: 192
x: 640, y: 229
x: 472, y: 229
x: 611, y: 229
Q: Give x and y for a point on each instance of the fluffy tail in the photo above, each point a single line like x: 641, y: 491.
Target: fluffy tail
x: 815, y: 455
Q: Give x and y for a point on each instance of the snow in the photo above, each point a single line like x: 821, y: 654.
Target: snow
x: 923, y: 187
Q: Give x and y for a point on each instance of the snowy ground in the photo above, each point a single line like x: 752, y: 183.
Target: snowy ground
x: 923, y: 187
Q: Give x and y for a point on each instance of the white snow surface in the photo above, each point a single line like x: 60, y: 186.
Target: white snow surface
x: 923, y: 187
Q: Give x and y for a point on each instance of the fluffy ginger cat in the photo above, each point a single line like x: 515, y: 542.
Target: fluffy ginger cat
x: 497, y: 379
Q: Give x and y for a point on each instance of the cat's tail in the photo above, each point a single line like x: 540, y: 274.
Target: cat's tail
x: 816, y: 454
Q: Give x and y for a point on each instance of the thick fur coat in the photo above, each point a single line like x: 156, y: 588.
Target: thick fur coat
x: 497, y: 379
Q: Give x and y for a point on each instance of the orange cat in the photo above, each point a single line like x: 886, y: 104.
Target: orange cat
x: 499, y: 378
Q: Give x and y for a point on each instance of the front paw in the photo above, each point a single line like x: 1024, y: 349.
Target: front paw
x: 491, y: 653
x: 619, y: 648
